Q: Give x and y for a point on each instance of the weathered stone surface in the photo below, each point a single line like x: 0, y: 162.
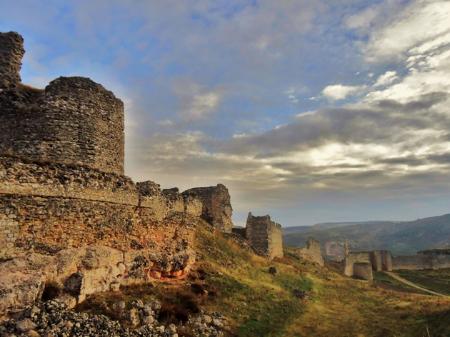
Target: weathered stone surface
x: 363, y: 271
x: 216, y: 202
x: 264, y: 236
x: 312, y: 252
x: 73, y: 121
x: 11, y: 53
x: 72, y: 274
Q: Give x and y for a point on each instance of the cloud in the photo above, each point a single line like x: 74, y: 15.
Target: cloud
x: 421, y: 22
x: 339, y: 91
x: 385, y: 79
x: 196, y: 102
x: 220, y: 101
x: 363, y: 19
x: 202, y: 105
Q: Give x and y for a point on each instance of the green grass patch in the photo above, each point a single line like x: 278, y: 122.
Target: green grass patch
x: 436, y: 280
x: 385, y: 281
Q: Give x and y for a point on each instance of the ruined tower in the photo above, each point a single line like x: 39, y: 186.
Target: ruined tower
x: 11, y: 53
x: 264, y: 235
x: 72, y: 121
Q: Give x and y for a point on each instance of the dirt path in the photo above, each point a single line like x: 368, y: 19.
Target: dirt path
x: 411, y: 284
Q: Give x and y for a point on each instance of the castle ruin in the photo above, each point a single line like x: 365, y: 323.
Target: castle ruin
x: 383, y: 260
x: 68, y: 214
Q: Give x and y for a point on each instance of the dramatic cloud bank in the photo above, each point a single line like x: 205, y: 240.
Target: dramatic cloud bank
x: 305, y: 109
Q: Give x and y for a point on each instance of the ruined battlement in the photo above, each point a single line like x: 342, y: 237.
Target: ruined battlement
x: 11, y: 54
x: 264, y: 235
x: 312, y: 252
x: 216, y: 202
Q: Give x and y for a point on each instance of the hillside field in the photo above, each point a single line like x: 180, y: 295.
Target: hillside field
x: 301, y: 299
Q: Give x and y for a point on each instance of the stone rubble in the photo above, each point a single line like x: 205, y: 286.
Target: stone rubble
x: 54, y: 319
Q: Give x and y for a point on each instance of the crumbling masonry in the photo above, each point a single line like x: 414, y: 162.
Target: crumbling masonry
x: 264, y: 236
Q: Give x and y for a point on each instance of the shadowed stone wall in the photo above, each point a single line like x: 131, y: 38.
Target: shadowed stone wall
x: 264, y: 236
x: 11, y: 53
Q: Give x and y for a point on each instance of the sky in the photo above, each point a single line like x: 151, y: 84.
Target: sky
x: 311, y: 111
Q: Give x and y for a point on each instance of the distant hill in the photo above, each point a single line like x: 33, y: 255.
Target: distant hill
x: 400, y: 237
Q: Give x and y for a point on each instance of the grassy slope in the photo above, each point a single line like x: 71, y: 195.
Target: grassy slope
x: 232, y: 280
x: 263, y: 305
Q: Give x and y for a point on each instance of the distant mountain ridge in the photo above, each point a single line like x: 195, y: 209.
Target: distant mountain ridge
x: 405, y: 237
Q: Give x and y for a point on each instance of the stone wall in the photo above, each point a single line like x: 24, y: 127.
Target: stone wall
x: 421, y: 261
x: 216, y: 202
x: 22, y: 177
x: 312, y: 252
x: 69, y: 202
x: 264, y: 236
x: 11, y: 53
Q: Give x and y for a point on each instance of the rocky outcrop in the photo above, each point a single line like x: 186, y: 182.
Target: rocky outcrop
x: 216, y: 203
x: 73, y: 274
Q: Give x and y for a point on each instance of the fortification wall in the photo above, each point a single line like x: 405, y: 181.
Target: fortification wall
x: 216, y: 202
x: 54, y: 206
x: 264, y: 236
x: 50, y: 224
x: 421, y: 261
x: 63, y: 193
